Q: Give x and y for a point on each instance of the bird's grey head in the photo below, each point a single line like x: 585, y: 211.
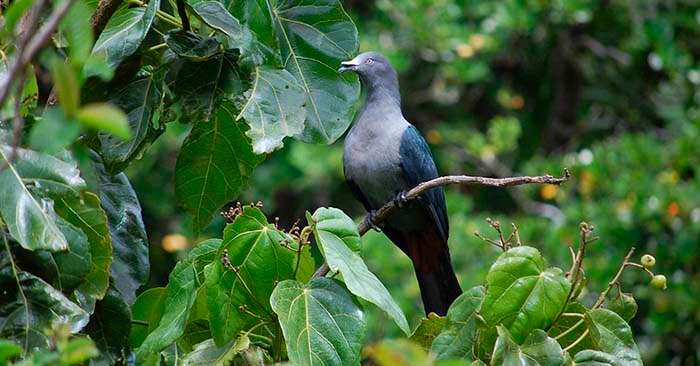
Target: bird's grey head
x: 375, y: 72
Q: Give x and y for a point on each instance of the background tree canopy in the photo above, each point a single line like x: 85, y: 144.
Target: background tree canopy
x: 138, y: 128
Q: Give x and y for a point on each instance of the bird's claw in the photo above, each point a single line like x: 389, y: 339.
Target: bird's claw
x: 400, y: 199
x: 369, y: 220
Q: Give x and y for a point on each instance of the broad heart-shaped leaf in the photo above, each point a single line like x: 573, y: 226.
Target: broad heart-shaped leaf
x: 215, y: 162
x: 130, y: 266
x: 337, y: 236
x: 109, y: 327
x: 459, y: 334
x: 182, y: 287
x: 146, y: 313
x: 29, y: 305
x: 321, y: 322
x: 191, y: 46
x: 216, y: 16
x: 523, y: 294
x: 208, y: 354
x: 124, y: 32
x: 256, y: 16
x: 238, y: 297
x: 141, y: 100
x: 85, y: 212
x: 314, y: 37
x: 610, y: 334
x: 31, y: 220
x: 200, y: 86
x: 427, y: 330
x: 537, y: 350
x: 275, y: 109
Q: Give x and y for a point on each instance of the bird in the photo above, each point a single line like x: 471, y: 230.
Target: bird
x: 384, y: 156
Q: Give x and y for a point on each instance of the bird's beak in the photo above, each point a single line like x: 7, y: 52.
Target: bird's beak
x: 347, y: 66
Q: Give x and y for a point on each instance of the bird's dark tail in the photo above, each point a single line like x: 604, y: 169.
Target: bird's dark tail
x: 431, y: 260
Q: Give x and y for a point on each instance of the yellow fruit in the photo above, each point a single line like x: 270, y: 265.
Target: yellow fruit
x: 658, y: 281
x: 648, y: 261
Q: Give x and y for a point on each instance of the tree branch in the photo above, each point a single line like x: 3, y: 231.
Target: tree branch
x: 34, y: 45
x: 385, y: 211
x: 182, y: 12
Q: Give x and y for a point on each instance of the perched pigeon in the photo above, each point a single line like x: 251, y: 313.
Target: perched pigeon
x: 385, y: 156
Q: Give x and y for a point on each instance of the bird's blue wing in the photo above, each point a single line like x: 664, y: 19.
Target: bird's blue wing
x: 418, y: 166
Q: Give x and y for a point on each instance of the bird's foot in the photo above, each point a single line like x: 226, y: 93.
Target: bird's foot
x: 400, y: 199
x: 370, y: 219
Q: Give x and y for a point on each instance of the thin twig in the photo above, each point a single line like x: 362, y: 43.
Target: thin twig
x: 385, y: 211
x: 182, y: 12
x: 613, y: 282
x: 34, y: 45
x: 577, y: 341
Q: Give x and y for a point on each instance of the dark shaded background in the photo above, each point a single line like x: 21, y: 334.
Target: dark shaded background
x: 606, y: 88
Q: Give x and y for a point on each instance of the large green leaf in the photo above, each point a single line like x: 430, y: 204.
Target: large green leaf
x: 130, y: 266
x: 141, y: 100
x: 238, y: 298
x: 215, y: 162
x: 523, y: 294
x: 85, y: 212
x: 611, y: 335
x: 191, y: 46
x: 146, y: 313
x: 459, y: 334
x: 109, y: 327
x: 29, y: 305
x: 182, y: 287
x: 208, y: 354
x: 201, y: 86
x: 275, y: 109
x: 321, y: 322
x: 256, y: 16
x: 314, y: 37
x: 30, y: 219
x: 216, y: 16
x: 124, y: 32
x: 337, y: 236
x: 537, y: 350
x: 427, y: 330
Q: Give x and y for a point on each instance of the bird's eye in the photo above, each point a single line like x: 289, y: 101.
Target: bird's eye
x: 369, y: 61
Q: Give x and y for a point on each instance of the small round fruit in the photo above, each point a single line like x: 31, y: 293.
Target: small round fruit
x: 648, y: 261
x: 658, y: 281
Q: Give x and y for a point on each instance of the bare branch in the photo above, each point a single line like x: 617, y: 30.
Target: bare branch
x: 34, y: 45
x: 385, y: 211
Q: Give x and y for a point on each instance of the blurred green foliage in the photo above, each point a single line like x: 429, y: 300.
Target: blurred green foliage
x: 608, y: 89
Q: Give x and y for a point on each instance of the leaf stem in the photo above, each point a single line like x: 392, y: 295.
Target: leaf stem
x: 563, y: 334
x: 577, y: 341
x: 157, y: 47
x: 613, y: 282
x: 577, y: 315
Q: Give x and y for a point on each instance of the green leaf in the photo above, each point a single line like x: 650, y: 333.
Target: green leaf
x: 321, y: 322
x: 595, y: 358
x: 191, y: 46
x: 77, y: 351
x: 337, y: 236
x: 537, y: 350
x: 564, y: 323
x: 140, y: 99
x: 315, y: 36
x: 523, y: 294
x: 612, y: 335
x: 239, y: 299
x: 109, y: 327
x: 105, y: 117
x: 624, y: 305
x: 183, y: 283
x: 427, y: 330
x: 74, y: 26
x: 14, y: 12
x: 215, y: 162
x: 29, y: 305
x: 216, y: 16
x: 201, y: 86
x: 130, y: 264
x: 402, y: 352
x: 275, y: 109
x: 85, y: 212
x: 460, y: 332
x: 146, y: 314
x: 124, y: 32
x: 53, y: 133
x: 256, y: 16
x: 67, y: 86
x: 207, y: 353
x: 30, y: 220
x: 8, y: 351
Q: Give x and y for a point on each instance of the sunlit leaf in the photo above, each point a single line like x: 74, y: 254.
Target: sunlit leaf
x: 610, y: 335
x: 208, y: 353
x: 104, y: 117
x: 321, y: 322
x: 427, y: 330
x: 460, y: 332
x: 146, y: 313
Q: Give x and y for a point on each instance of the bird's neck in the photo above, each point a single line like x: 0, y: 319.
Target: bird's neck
x: 383, y: 91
